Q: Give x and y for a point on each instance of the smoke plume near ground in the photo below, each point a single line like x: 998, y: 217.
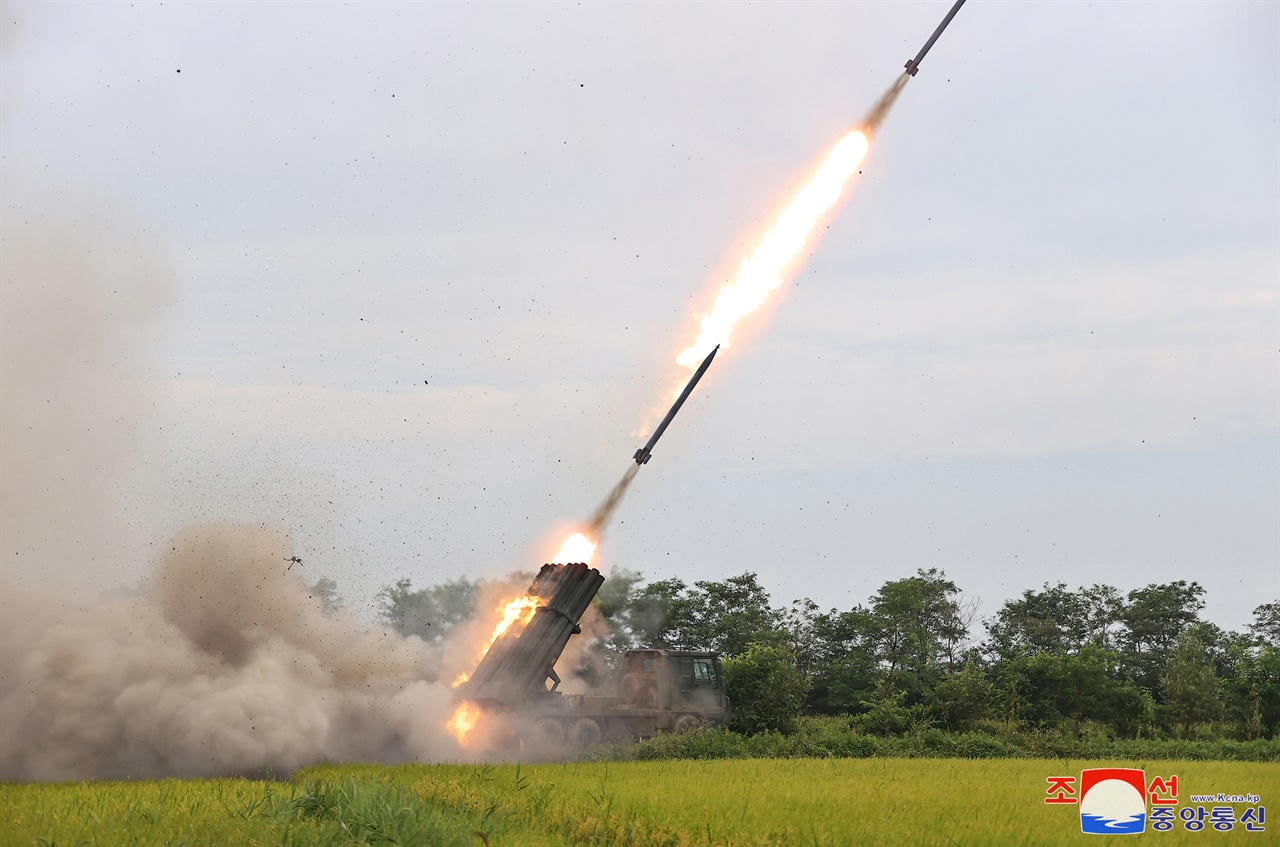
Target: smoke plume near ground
x: 224, y: 664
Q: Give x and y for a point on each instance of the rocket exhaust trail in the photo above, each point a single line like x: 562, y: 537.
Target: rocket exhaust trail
x: 880, y: 111
x: 763, y: 272
x: 595, y: 526
x: 604, y: 512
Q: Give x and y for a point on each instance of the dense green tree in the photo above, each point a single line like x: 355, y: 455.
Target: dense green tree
x: 849, y: 682
x: 729, y: 615
x: 964, y: 698
x: 725, y: 616
x: 1251, y: 690
x: 1046, y: 688
x: 840, y: 634
x: 886, y: 712
x: 1259, y: 677
x: 1054, y: 620
x: 429, y: 613
x: 617, y: 603
x: 658, y: 613
x: 766, y: 688
x: 1266, y: 624
x: 1190, y: 684
x: 1102, y: 609
x: 1153, y: 618
x: 799, y: 623
x: 1039, y: 621
x: 917, y: 629
x: 843, y: 663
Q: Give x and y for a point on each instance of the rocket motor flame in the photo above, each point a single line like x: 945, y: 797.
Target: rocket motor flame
x: 761, y: 273
x: 464, y: 719
x: 467, y: 714
x: 520, y: 610
x: 576, y: 548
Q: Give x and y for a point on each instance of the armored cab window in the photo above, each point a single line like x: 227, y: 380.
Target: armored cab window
x: 705, y: 671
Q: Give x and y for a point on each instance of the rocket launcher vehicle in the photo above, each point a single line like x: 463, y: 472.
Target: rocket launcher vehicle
x: 516, y: 670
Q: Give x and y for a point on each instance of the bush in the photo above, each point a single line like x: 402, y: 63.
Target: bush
x: 980, y: 745
x: 767, y: 689
x: 700, y: 743
x: 884, y: 716
x: 837, y: 737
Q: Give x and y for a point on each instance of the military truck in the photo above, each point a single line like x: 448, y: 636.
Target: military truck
x: 657, y: 690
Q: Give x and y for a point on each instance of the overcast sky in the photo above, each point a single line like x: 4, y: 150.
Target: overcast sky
x: 426, y: 268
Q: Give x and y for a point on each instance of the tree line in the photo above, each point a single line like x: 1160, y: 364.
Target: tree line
x: 1141, y: 664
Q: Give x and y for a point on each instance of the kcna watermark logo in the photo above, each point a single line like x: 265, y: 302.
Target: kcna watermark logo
x: 1114, y: 801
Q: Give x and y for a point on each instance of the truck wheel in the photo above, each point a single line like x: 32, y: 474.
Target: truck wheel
x: 584, y: 732
x: 548, y: 733
x: 685, y: 723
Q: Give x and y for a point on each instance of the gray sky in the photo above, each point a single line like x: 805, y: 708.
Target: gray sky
x: 431, y: 265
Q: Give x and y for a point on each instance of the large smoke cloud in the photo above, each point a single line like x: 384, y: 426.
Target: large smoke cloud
x: 225, y: 664
x: 82, y: 294
x: 222, y: 661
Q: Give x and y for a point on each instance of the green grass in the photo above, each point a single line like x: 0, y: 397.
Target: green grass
x: 638, y: 804
x: 303, y: 812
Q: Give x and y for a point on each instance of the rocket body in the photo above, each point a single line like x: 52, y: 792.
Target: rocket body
x: 644, y: 453
x: 913, y: 65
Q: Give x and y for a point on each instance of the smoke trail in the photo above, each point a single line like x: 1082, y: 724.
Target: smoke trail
x: 604, y: 512
x: 880, y: 110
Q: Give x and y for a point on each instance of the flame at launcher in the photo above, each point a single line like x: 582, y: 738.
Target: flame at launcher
x: 576, y: 548
x: 464, y: 719
x: 517, y: 611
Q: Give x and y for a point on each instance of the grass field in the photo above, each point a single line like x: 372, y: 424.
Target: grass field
x: 639, y: 804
